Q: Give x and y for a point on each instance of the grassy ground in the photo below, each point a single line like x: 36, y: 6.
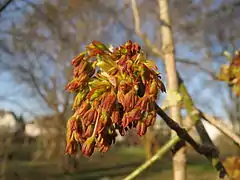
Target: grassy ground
x: 115, y: 165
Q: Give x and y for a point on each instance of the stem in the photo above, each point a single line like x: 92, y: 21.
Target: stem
x: 210, y: 152
x: 196, y: 118
x: 221, y: 127
x: 96, y: 125
x: 159, y: 154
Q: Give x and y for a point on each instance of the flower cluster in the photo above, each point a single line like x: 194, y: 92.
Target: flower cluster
x: 114, y: 91
x: 231, y: 73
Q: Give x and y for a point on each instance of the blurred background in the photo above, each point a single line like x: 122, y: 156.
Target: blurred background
x: 38, y: 39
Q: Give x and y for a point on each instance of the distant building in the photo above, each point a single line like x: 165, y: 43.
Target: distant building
x: 41, y: 126
x: 10, y: 122
x: 32, y: 130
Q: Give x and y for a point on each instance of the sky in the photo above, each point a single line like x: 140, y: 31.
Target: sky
x: 202, y: 96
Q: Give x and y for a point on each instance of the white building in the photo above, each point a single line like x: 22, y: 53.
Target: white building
x: 8, y: 121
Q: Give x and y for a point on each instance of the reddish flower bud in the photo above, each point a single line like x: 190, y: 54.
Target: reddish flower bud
x: 72, y: 124
x: 71, y: 148
x: 236, y: 60
x: 93, y: 50
x: 89, y: 131
x: 79, y: 70
x: 108, y: 101
x: 141, y: 128
x: 88, y: 117
x: 77, y: 136
x: 130, y: 100
x: 125, y: 120
x: 78, y: 59
x: 83, y: 108
x: 83, y: 78
x: 142, y: 103
x: 88, y: 146
x: 115, y: 116
x: 102, y: 122
x: 73, y: 85
x: 122, y: 60
x: 100, y: 45
x: 136, y: 48
x: 134, y: 114
x: 150, y: 119
x: 129, y: 66
x: 120, y: 97
x: 124, y: 87
x: 71, y: 127
x: 104, y: 148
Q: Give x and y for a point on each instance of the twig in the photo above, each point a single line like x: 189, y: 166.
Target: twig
x: 190, y: 107
x: 183, y: 134
x: 144, y: 37
x: 5, y: 5
x: 221, y: 127
x: 210, y: 152
x: 207, y: 151
x: 199, y: 66
x: 159, y: 154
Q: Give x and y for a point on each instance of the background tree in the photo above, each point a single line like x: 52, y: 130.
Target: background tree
x: 38, y: 39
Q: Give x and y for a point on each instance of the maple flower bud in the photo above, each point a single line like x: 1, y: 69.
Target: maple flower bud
x: 83, y: 108
x: 153, y: 88
x: 88, y: 117
x: 73, y: 85
x: 236, y: 60
x: 104, y: 148
x: 89, y: 131
x: 105, y: 63
x: 150, y: 119
x: 79, y: 98
x: 88, y: 146
x: 108, y: 101
x: 100, y: 45
x: 96, y: 92
x: 141, y: 128
x: 76, y: 61
x: 71, y: 148
x: 115, y: 117
x: 70, y: 140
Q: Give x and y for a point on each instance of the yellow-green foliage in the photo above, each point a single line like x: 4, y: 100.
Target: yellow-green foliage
x: 231, y: 73
x: 232, y: 164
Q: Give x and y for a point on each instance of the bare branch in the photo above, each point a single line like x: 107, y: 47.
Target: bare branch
x: 5, y: 5
x: 146, y: 40
x: 197, y: 65
x: 209, y: 152
x: 221, y: 127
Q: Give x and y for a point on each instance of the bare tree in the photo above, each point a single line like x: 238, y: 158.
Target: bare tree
x: 179, y: 157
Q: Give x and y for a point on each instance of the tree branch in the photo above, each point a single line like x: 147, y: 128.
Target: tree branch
x: 221, y: 127
x: 159, y: 154
x: 209, y: 152
x: 5, y: 5
x: 197, y: 65
x: 144, y: 37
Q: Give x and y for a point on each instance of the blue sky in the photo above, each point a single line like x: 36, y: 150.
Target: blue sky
x: 195, y: 82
